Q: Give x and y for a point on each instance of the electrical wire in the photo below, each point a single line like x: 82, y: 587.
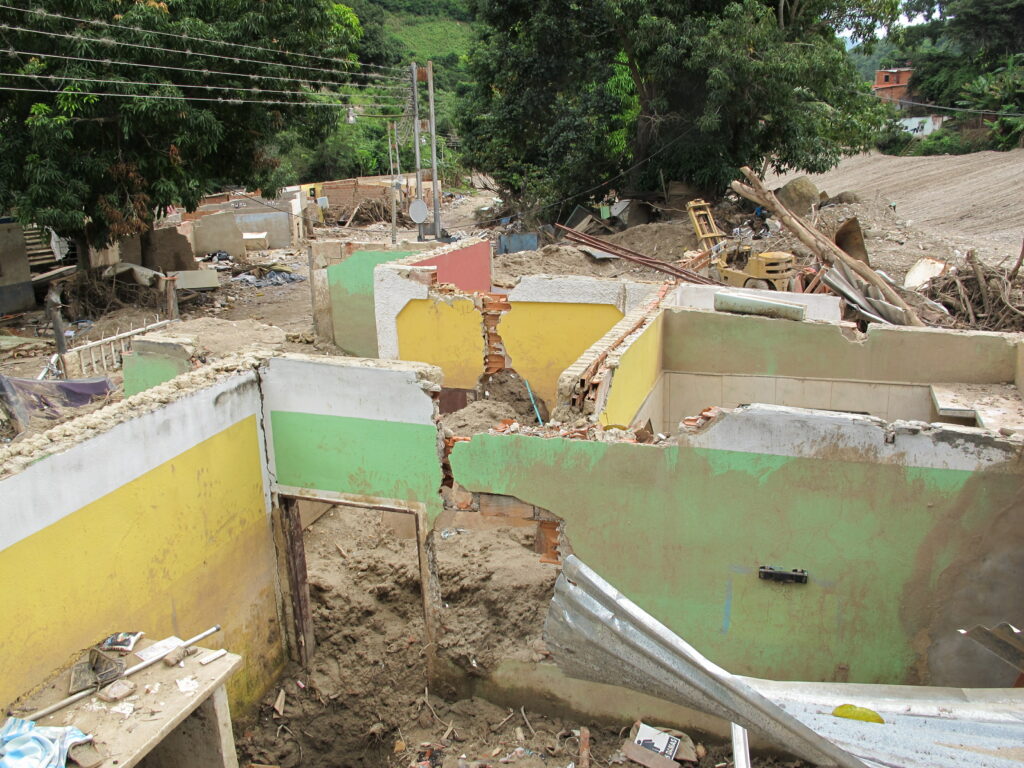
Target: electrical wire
x: 236, y: 59
x: 43, y: 12
x: 336, y: 105
x: 181, y: 85
x: 118, y: 62
x: 962, y: 109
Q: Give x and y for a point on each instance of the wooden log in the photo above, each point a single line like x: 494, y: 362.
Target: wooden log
x: 824, y: 248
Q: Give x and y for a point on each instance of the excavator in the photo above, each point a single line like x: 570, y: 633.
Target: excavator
x: 735, y: 264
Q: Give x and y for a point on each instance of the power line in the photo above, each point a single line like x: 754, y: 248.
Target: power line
x: 118, y: 62
x: 962, y: 109
x: 225, y: 101
x: 107, y: 41
x: 98, y: 22
x: 179, y: 85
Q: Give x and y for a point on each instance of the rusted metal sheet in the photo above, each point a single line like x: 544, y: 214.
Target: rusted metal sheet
x: 596, y: 633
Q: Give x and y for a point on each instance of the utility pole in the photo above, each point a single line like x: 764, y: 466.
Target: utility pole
x: 394, y: 185
x: 436, y: 183
x: 416, y: 140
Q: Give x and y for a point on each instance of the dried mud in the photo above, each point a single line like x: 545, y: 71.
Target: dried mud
x: 365, y: 701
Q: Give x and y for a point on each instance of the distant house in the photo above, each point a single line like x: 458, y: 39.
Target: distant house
x: 892, y: 84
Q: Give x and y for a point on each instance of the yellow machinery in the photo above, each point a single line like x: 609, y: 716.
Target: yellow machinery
x: 771, y: 270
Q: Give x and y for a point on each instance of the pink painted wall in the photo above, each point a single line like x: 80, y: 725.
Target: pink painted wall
x: 467, y: 268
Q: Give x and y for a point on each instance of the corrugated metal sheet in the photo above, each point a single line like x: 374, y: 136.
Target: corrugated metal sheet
x: 1004, y: 640
x: 596, y: 633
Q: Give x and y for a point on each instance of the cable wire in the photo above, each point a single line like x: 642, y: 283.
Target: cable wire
x: 118, y: 62
x: 963, y: 109
x: 107, y: 41
x: 182, y: 85
x: 201, y: 98
x: 45, y: 13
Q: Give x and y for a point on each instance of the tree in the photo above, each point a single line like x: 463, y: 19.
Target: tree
x: 703, y: 87
x: 173, y: 121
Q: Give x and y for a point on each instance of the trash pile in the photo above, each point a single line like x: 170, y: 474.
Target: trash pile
x: 265, y: 275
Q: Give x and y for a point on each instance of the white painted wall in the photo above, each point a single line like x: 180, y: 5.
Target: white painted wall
x: 804, y: 433
x: 103, y: 463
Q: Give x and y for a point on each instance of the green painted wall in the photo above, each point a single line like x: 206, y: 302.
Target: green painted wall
x: 897, y: 555
x: 142, y: 372
x: 716, y: 342
x: 351, y: 288
x: 391, y: 460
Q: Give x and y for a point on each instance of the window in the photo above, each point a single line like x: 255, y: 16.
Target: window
x: 886, y: 78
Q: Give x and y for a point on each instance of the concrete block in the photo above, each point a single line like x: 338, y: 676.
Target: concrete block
x: 166, y: 250
x: 218, y: 232
x: 17, y: 297
x: 274, y: 225
x: 255, y: 241
x: 14, y: 266
x: 196, y: 280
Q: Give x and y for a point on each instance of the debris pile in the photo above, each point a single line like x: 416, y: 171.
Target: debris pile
x: 980, y: 296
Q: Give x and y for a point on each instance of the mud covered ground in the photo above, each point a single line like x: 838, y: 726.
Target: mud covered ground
x: 365, y: 700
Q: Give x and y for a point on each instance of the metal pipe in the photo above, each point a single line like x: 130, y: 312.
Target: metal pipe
x: 130, y: 671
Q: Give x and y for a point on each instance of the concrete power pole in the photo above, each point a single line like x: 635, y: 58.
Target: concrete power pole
x: 436, y: 183
x: 416, y: 140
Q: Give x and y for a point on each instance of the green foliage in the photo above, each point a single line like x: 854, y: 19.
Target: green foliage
x: 99, y: 166
x: 1000, y: 92
x: 432, y: 38
x: 704, y: 87
x: 948, y: 141
x: 449, y: 9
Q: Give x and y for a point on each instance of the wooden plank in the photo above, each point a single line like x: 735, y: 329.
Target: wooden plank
x: 295, y: 551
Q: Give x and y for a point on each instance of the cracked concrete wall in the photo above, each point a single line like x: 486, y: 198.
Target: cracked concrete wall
x: 727, y: 360
x: 354, y: 429
x: 907, y: 533
x: 552, y: 320
x: 160, y: 522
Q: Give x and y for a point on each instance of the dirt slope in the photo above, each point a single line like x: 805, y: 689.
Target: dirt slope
x: 975, y: 200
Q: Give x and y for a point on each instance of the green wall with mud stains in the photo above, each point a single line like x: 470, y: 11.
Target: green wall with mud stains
x: 352, y: 313
x: 142, y: 372
x: 705, y: 342
x: 897, y: 556
x: 360, y: 457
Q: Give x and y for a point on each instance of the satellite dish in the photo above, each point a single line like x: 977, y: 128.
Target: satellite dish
x: 418, y: 211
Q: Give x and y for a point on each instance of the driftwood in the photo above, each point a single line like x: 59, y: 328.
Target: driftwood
x: 980, y: 296
x: 827, y: 251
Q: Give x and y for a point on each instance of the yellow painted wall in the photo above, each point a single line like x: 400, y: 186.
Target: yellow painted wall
x: 543, y: 339
x: 183, y: 547
x: 448, y: 335
x: 635, y: 377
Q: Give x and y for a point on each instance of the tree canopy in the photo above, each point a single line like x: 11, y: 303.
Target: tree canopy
x: 569, y: 93
x: 139, y: 105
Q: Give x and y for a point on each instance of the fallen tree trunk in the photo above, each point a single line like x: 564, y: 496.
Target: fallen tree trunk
x: 823, y: 248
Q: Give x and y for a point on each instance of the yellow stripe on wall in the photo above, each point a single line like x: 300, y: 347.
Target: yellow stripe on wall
x: 181, y: 548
